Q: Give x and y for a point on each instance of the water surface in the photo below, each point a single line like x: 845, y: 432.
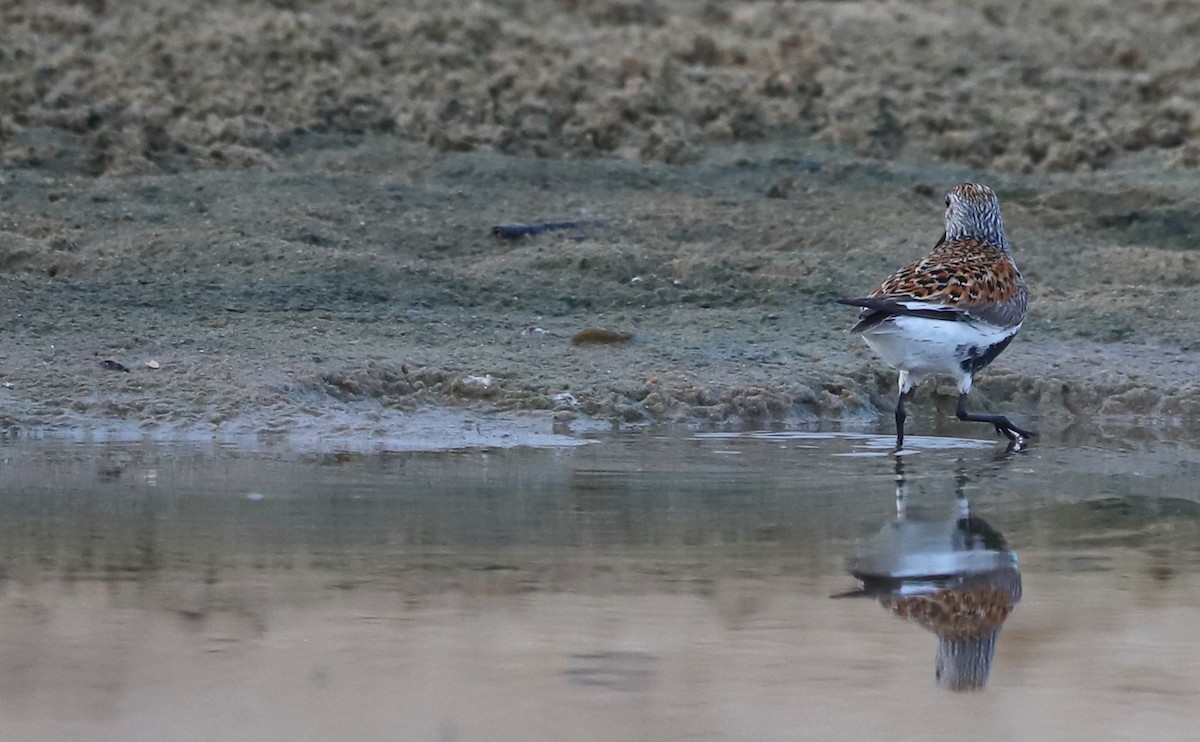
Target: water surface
x: 646, y: 586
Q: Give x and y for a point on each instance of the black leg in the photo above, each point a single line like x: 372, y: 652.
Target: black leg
x: 1004, y: 426
x: 901, y: 416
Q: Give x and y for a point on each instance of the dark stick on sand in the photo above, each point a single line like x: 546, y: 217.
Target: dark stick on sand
x: 517, y: 231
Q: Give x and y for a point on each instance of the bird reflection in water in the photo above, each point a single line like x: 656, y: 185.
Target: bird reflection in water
x: 955, y: 576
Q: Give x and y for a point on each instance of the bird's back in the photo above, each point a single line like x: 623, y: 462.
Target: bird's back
x: 961, y: 279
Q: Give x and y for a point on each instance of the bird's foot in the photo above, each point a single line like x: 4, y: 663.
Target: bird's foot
x: 1012, y: 432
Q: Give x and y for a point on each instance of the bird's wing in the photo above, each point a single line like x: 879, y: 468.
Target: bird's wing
x: 961, y: 280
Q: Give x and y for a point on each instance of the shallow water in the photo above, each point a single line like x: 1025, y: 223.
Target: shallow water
x: 646, y: 586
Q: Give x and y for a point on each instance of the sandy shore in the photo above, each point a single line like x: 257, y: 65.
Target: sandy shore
x: 288, y: 211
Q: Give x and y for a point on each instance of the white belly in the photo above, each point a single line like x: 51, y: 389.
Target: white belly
x: 927, y: 347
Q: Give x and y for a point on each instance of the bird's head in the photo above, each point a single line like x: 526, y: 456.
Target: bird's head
x: 972, y: 210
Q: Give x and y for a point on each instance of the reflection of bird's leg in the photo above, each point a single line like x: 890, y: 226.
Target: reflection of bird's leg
x: 960, y: 490
x: 901, y: 490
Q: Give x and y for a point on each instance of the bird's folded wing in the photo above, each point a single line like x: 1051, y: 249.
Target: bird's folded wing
x: 962, y: 279
x: 907, y: 307
x: 877, y: 309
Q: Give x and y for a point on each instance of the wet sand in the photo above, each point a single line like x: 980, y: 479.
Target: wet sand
x: 289, y: 211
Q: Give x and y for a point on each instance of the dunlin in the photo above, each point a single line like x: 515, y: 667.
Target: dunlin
x: 953, y: 311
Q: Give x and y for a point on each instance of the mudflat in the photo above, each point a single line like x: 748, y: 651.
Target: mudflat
x: 278, y: 218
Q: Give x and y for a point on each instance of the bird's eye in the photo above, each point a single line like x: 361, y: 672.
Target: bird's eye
x: 947, y: 200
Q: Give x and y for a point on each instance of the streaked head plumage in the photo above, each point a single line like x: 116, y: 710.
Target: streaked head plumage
x: 972, y: 210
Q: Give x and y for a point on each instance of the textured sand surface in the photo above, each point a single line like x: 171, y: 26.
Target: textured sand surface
x: 288, y: 207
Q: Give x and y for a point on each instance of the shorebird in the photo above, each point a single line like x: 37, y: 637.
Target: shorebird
x: 953, y: 311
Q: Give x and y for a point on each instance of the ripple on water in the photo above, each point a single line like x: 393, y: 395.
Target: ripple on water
x: 863, y: 444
